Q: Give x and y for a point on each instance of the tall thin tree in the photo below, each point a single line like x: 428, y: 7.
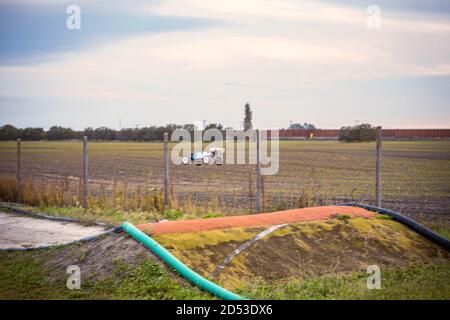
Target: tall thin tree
x: 248, y: 117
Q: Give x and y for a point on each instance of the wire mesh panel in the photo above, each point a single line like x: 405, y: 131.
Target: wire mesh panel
x: 129, y: 175
x: 416, y: 177
x: 51, y: 173
x: 126, y: 175
x: 8, y: 158
x: 321, y: 173
x: 210, y: 188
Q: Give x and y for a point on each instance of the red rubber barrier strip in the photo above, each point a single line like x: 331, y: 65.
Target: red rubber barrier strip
x: 255, y: 220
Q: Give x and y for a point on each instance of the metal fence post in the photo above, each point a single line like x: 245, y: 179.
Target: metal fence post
x: 19, y: 173
x: 263, y: 197
x: 166, y: 170
x: 258, y: 175
x: 378, y: 166
x: 85, y: 172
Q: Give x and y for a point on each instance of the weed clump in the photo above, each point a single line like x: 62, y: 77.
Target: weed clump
x: 172, y: 214
x: 209, y: 215
x: 342, y: 217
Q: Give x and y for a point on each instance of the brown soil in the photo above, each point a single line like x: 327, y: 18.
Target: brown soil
x: 98, y: 259
x: 263, y: 219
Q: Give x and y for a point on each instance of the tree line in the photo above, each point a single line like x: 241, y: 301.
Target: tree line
x: 364, y: 132
x: 151, y: 133
x: 359, y: 133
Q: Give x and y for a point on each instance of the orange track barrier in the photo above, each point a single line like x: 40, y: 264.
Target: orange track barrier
x: 255, y: 220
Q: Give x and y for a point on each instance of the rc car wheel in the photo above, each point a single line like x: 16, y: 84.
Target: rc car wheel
x: 219, y: 161
x: 185, y: 160
x: 206, y: 160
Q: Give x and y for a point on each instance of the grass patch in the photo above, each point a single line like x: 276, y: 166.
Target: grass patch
x: 23, y: 276
x: 173, y: 214
x: 111, y: 216
x: 413, y: 282
x: 445, y: 232
x: 383, y: 217
x: 342, y: 217
x: 150, y: 281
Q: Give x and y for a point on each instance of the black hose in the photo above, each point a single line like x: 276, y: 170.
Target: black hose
x: 419, y: 228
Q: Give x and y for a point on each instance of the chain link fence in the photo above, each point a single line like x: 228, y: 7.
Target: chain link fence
x: 414, y: 180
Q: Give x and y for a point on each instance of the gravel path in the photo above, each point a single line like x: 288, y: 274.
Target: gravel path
x: 17, y: 231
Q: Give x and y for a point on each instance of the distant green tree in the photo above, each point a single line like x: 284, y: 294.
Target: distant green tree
x: 33, y: 134
x: 104, y: 133
x: 9, y: 132
x: 304, y: 126
x: 127, y: 134
x: 61, y: 133
x: 363, y: 132
x: 89, y: 132
x: 214, y: 126
x: 248, y: 117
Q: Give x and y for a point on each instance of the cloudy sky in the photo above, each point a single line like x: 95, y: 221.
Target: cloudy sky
x: 182, y: 61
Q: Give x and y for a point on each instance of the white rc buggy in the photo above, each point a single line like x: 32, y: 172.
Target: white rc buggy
x: 213, y: 155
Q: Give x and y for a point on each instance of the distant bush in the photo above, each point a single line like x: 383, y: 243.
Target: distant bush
x: 9, y: 132
x: 363, y: 132
x: 61, y: 133
x: 302, y: 126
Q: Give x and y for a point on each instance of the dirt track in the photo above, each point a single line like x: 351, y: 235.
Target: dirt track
x: 302, y: 250
x: 18, y: 231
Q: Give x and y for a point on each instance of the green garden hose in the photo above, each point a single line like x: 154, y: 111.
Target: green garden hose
x: 182, y: 269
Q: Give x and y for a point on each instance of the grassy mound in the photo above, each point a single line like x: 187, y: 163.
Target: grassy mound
x: 303, y: 251
x: 309, y: 260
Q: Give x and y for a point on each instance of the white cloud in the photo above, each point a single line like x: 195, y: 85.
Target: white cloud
x: 268, y: 50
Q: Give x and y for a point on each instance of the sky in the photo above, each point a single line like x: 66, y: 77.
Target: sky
x: 153, y: 62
